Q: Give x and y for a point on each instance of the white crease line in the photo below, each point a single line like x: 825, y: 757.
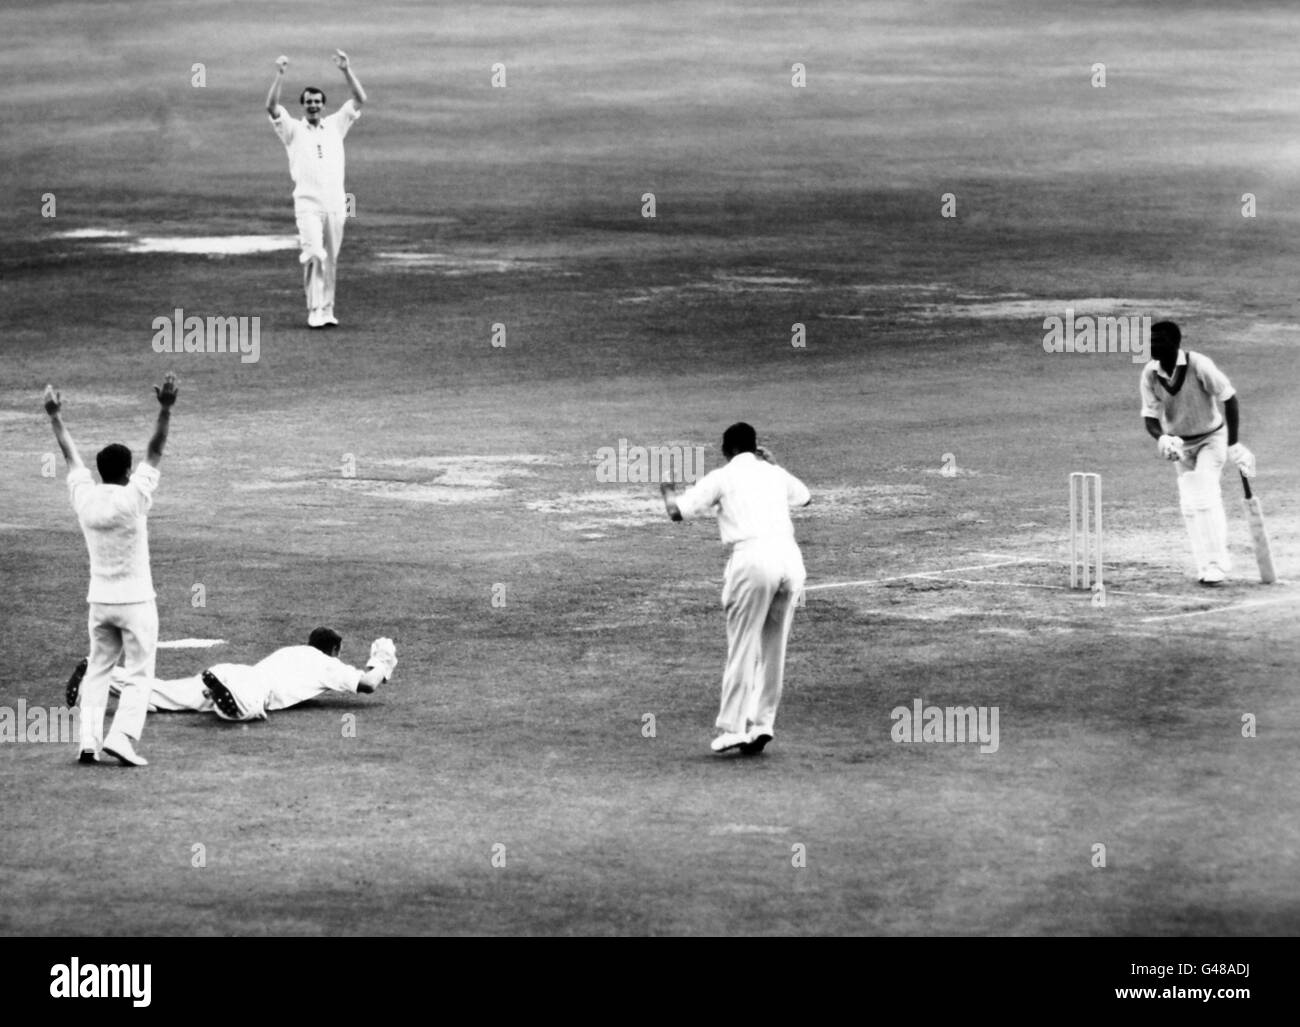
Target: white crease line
x: 1066, y: 588
x: 919, y: 574
x: 1003, y: 584
x: 1056, y: 588
x: 1223, y: 609
x: 893, y: 613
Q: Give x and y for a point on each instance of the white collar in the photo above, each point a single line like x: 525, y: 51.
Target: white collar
x: 1182, y: 359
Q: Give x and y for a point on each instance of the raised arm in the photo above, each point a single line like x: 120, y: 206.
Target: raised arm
x: 166, y: 397
x: 53, y: 406
x: 273, y: 97
x: 345, y: 66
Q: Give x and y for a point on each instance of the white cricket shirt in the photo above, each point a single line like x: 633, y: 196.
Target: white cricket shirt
x: 297, y: 673
x: 753, y: 499
x: 113, y: 520
x: 316, y: 158
x: 1193, y: 410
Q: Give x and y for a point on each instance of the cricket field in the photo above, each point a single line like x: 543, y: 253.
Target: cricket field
x: 865, y: 216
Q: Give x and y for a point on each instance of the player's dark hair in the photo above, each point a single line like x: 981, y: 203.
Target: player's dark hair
x: 1165, y: 333
x: 302, y: 97
x: 114, y: 462
x: 326, y: 640
x: 739, y: 438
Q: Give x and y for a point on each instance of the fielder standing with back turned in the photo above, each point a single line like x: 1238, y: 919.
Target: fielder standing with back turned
x: 316, y: 162
x: 1190, y: 408
x: 123, y: 613
x: 764, y: 577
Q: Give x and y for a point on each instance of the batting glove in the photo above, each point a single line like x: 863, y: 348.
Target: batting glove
x: 1243, y: 458
x: 1170, y: 447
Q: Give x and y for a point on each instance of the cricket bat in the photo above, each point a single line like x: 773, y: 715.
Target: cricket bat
x: 1255, y: 516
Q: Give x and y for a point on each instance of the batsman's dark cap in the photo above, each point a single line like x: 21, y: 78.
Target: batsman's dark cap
x: 1166, y: 333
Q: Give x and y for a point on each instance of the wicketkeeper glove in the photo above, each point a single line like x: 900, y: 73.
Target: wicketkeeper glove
x: 383, y: 654
x: 1243, y: 458
x: 1170, y: 447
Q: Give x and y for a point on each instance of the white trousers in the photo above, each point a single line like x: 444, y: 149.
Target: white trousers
x: 185, y: 695
x: 320, y: 236
x: 763, y: 580
x: 251, y: 690
x: 177, y: 695
x: 126, y: 631
x: 1201, y: 501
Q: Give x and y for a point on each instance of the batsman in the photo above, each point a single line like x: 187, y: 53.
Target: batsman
x: 1190, y: 409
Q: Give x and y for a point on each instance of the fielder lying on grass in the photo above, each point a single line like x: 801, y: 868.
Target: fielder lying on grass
x: 287, y: 677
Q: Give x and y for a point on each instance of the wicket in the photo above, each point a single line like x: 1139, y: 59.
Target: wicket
x: 1085, y: 529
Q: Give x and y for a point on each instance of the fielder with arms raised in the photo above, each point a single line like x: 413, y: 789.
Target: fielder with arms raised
x: 1190, y: 409
x: 123, y: 617
x: 316, y: 160
x: 764, y: 577
x: 289, y: 676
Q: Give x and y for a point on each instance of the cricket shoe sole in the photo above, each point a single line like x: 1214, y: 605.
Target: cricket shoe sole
x: 222, y: 697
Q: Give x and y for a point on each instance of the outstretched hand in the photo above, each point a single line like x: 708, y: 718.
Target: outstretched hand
x: 167, y: 394
x: 53, y: 401
x: 383, y: 654
x: 341, y: 59
x: 282, y: 62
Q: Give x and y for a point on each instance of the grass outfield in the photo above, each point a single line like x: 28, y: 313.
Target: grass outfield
x: 397, y: 474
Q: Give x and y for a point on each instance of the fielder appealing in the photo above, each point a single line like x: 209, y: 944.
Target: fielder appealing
x: 316, y: 160
x: 123, y: 618
x: 1190, y: 409
x: 764, y: 577
x: 289, y: 676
